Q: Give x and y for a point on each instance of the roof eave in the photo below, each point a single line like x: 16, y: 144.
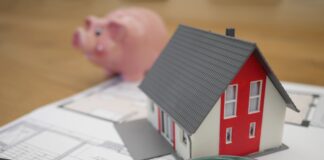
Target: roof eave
x: 277, y: 84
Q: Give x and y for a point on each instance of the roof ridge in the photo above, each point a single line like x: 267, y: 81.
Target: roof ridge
x: 217, y: 34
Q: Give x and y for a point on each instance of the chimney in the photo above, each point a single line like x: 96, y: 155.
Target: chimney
x: 230, y: 32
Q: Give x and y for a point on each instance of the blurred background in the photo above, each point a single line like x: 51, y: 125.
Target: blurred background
x: 38, y: 64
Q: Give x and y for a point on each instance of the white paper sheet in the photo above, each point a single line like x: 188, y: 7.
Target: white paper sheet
x: 53, y: 133
x: 310, y: 100
x: 122, y: 101
x: 304, y: 143
x: 81, y: 127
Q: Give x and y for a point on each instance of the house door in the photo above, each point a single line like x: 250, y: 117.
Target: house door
x: 167, y: 127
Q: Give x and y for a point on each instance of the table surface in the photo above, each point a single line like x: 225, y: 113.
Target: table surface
x: 39, y: 66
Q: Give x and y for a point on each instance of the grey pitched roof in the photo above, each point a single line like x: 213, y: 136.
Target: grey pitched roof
x: 193, y: 71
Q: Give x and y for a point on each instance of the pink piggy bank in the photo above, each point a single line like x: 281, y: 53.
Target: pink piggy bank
x: 127, y: 41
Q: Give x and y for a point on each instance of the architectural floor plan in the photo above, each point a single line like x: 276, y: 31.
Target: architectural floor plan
x: 32, y: 138
x: 81, y: 127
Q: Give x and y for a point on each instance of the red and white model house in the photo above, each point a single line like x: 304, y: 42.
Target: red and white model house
x: 215, y: 95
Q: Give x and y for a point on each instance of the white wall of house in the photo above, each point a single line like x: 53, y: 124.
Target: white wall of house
x: 273, y: 118
x: 182, y: 148
x: 205, y: 141
x: 152, y: 114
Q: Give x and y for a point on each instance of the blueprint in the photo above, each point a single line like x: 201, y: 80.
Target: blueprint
x: 310, y: 101
x: 81, y: 127
x: 117, y: 102
x: 54, y: 132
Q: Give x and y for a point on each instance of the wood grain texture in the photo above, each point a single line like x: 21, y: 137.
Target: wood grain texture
x: 39, y: 66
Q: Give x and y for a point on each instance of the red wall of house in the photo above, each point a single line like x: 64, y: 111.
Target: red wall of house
x: 241, y: 143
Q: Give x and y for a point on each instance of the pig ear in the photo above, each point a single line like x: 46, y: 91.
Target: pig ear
x: 116, y: 30
x: 89, y: 21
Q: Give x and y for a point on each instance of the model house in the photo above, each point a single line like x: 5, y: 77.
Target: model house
x: 215, y: 94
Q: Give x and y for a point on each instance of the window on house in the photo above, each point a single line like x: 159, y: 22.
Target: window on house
x: 152, y: 106
x: 255, y: 94
x: 228, y: 135
x: 162, y: 121
x: 230, y: 101
x: 167, y: 126
x: 184, y: 137
x: 252, y: 130
x: 170, y: 129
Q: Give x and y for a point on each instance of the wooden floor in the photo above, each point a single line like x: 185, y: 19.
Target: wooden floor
x: 38, y: 64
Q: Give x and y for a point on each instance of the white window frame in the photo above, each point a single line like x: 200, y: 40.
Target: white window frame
x: 252, y: 124
x: 167, y: 127
x: 170, y: 129
x: 184, y: 137
x: 152, y: 106
x: 230, y: 101
x: 253, y: 97
x: 162, y: 122
x: 230, y: 130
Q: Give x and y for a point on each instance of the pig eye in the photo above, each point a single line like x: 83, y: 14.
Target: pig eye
x: 98, y: 32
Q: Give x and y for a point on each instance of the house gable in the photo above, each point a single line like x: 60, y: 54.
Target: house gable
x: 241, y: 142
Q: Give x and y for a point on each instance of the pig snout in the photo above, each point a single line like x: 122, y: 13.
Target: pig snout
x: 100, y: 48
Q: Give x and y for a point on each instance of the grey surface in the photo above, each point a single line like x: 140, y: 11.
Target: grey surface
x: 269, y: 151
x: 142, y: 140
x: 193, y: 71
